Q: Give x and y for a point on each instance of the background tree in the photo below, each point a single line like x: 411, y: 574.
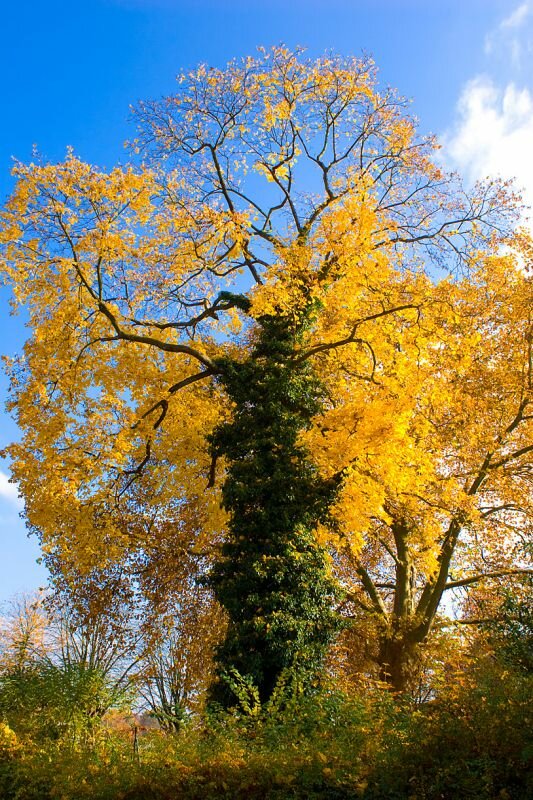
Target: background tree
x: 498, y: 618
x: 284, y: 220
x: 59, y: 675
x: 177, y: 666
x: 455, y: 480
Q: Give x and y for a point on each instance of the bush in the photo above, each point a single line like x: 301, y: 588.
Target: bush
x: 43, y: 700
x: 472, y: 742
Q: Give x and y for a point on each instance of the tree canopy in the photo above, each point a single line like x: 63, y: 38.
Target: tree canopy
x: 284, y: 282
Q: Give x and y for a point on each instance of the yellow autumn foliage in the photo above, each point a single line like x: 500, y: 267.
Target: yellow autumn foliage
x: 291, y: 183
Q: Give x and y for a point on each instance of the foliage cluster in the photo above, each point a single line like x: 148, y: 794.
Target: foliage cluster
x: 45, y: 700
x: 511, y: 632
x: 328, y: 746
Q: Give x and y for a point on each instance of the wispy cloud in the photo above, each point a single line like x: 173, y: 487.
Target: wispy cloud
x: 9, y: 492
x: 493, y: 134
x: 512, y: 38
x: 517, y: 18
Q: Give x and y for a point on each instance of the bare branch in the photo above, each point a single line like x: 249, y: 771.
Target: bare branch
x: 484, y: 576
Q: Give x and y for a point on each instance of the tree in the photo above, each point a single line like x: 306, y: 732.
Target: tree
x: 512, y: 633
x: 176, y: 670
x: 59, y: 674
x: 457, y: 505
x: 23, y: 632
x: 245, y: 310
x: 502, y: 618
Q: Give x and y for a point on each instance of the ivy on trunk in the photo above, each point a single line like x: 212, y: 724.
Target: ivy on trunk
x: 272, y: 578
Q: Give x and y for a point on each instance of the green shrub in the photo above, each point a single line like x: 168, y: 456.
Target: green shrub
x: 472, y: 742
x: 43, y: 700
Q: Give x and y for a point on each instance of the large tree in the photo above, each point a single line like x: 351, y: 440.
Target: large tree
x: 253, y: 317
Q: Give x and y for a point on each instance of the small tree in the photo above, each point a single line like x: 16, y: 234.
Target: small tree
x: 67, y: 676
x: 177, y: 668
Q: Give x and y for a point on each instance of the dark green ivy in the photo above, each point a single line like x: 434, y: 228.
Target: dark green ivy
x: 272, y: 577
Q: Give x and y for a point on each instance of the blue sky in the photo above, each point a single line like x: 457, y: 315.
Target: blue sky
x: 70, y: 70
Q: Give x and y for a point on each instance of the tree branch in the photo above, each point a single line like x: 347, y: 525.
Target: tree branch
x: 476, y: 578
x: 351, y: 338
x: 371, y: 590
x: 163, y: 403
x: 511, y: 457
x: 168, y: 347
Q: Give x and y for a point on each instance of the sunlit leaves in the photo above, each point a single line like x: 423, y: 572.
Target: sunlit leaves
x: 297, y: 189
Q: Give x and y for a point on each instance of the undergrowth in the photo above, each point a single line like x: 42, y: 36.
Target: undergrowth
x: 473, y: 742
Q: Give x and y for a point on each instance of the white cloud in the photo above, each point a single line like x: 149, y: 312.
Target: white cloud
x: 9, y: 491
x: 493, y: 135
x: 517, y: 17
x: 511, y: 39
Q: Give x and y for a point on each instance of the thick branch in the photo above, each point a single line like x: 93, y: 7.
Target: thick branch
x: 168, y: 347
x: 371, y: 590
x: 432, y: 594
x: 476, y: 578
x: 221, y: 304
x: 403, y: 596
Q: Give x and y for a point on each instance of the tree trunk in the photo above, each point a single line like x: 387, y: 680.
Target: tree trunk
x: 272, y: 578
x: 399, y: 662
